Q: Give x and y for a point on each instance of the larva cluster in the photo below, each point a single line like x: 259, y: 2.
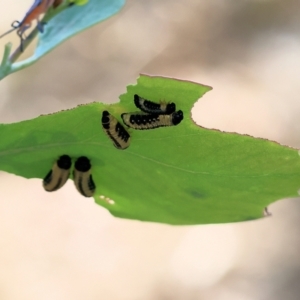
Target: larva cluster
x: 60, y: 172
x: 152, y: 115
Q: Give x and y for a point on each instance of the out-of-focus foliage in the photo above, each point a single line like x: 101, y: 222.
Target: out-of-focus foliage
x: 62, y: 23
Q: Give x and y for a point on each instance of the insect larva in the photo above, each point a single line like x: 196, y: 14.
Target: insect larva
x: 150, y: 121
x: 58, y: 175
x: 154, y: 108
x: 83, y: 178
x: 115, y: 131
x: 38, y: 7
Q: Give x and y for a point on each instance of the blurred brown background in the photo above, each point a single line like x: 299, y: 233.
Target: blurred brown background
x: 63, y: 246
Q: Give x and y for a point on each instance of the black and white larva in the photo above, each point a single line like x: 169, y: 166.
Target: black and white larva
x: 58, y: 175
x: 142, y: 121
x: 83, y: 178
x: 150, y: 107
x: 115, y: 131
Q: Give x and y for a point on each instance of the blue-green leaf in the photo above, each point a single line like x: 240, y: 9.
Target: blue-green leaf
x: 66, y: 23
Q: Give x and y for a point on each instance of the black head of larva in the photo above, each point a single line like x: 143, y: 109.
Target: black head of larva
x: 170, y: 108
x: 177, y: 117
x: 105, y: 119
x: 64, y: 162
x: 82, y: 164
x: 136, y: 100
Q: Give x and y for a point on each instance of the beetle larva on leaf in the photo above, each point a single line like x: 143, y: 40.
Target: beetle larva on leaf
x: 142, y: 121
x: 152, y: 107
x: 58, y: 175
x: 83, y: 178
x: 115, y: 131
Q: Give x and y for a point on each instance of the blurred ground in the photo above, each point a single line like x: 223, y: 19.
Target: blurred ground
x: 63, y: 246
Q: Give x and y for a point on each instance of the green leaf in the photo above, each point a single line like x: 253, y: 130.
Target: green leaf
x: 62, y: 23
x: 182, y: 174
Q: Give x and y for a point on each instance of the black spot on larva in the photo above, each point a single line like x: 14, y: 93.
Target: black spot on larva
x: 91, y: 184
x: 83, y: 178
x: 143, y: 121
x: 138, y: 119
x: 48, y: 177
x: 122, y: 133
x: 131, y: 119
